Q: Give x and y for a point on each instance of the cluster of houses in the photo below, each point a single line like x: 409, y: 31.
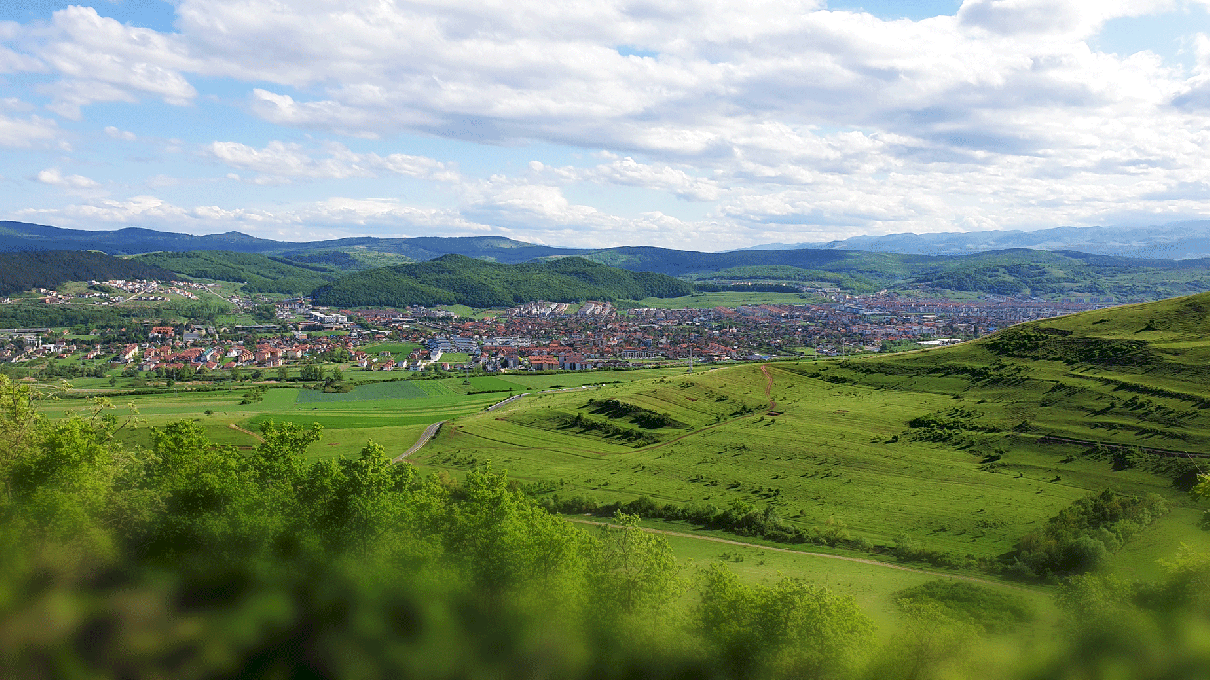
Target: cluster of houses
x: 544, y: 336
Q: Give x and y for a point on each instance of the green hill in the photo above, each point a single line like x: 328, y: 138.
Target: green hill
x: 456, y: 279
x: 50, y: 268
x: 1017, y: 271
x: 258, y: 273
x: 989, y: 456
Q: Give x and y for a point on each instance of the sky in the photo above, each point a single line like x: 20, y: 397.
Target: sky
x: 705, y: 125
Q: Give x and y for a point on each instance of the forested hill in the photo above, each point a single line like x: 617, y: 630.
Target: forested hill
x: 258, y: 273
x: 23, y: 236
x: 456, y: 279
x: 299, y: 267
x: 49, y: 268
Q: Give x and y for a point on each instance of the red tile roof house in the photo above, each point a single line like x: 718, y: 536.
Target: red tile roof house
x: 543, y: 363
x: 573, y: 362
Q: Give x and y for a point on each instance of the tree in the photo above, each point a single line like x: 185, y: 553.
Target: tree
x: 634, y: 569
x: 264, y: 313
x: 792, y: 628
x: 312, y: 372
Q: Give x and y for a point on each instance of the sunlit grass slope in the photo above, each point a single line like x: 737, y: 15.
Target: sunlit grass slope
x: 961, y: 450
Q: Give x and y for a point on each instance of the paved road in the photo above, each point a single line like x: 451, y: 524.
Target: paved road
x: 424, y: 439
x: 510, y: 400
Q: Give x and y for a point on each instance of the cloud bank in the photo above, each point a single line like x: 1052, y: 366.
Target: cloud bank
x: 767, y: 121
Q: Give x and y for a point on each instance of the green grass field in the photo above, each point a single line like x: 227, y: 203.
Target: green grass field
x: 960, y: 450
x: 874, y: 587
x: 398, y: 350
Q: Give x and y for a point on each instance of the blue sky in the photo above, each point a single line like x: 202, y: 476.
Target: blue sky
x: 692, y: 124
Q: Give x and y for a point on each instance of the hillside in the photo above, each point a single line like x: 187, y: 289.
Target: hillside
x: 456, y: 279
x: 48, y: 269
x: 1178, y: 240
x: 1016, y: 271
x: 22, y: 236
x: 258, y: 273
x: 955, y: 456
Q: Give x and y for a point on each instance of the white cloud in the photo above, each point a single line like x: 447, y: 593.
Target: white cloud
x: 54, y: 177
x: 781, y: 114
x: 23, y: 133
x: 627, y: 171
x: 1074, y: 18
x: 123, y: 135
x: 280, y: 161
x: 101, y: 59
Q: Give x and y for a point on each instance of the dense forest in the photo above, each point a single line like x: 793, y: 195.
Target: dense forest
x: 258, y: 273
x: 49, y: 268
x: 456, y: 279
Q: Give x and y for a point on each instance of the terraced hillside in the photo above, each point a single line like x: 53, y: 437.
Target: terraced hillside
x: 953, y: 454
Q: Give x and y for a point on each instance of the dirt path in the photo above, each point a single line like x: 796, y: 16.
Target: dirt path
x: 425, y: 436
x: 764, y: 368
x: 875, y: 563
x: 250, y: 433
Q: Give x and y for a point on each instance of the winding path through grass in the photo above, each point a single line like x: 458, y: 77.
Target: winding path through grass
x: 764, y: 368
x: 425, y: 436
x: 861, y: 560
x: 250, y: 433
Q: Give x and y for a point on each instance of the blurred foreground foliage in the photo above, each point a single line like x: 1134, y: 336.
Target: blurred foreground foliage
x: 196, y: 560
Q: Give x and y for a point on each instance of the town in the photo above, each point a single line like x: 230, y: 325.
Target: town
x: 537, y: 336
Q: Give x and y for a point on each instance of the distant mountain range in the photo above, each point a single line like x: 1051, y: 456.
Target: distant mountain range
x: 1174, y: 241
x: 22, y: 236
x: 959, y: 262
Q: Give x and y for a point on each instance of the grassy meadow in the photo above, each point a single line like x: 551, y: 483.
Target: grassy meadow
x: 958, y: 451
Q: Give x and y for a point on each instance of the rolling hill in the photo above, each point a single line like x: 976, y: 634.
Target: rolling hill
x: 457, y: 279
x: 958, y: 456
x: 1017, y: 272
x: 22, y: 236
x: 258, y: 273
x: 47, y: 269
x: 1177, y: 240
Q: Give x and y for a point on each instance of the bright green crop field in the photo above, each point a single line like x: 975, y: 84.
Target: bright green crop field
x: 392, y: 411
